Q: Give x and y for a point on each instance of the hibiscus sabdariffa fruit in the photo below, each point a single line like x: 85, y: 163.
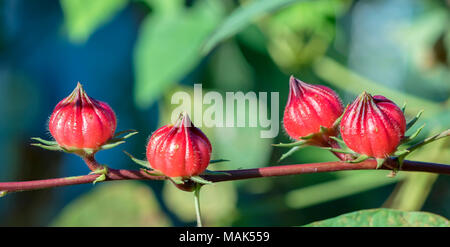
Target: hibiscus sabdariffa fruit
x: 82, y: 124
x: 179, y: 150
x: 311, y: 109
x: 373, y: 126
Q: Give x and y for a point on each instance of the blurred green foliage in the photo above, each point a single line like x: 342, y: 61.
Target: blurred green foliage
x: 174, y: 39
x: 169, y: 44
x: 126, y: 203
x: 255, y: 45
x: 297, y: 38
x: 83, y: 17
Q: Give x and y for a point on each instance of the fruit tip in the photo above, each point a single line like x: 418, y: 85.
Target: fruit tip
x: 183, y: 120
x: 295, y: 85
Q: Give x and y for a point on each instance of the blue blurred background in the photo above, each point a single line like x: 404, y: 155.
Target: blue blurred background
x: 135, y: 54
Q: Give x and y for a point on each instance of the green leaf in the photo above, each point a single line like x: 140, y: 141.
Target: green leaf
x: 119, y: 204
x: 230, y: 69
x: 241, y: 18
x: 384, y: 218
x: 165, y: 5
x: 168, y: 47
x: 83, y: 17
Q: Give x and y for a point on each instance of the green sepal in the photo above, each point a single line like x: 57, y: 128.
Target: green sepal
x: 395, y: 170
x: 338, y: 120
x: 339, y: 140
x: 217, y: 161
x: 414, y: 135
x: 143, y: 163
x: 103, y: 171
x: 401, y: 152
x: 111, y: 145
x: 360, y: 158
x: 443, y: 134
x: 323, y: 130
x: 52, y: 148
x: 113, y: 142
x: 380, y: 162
x: 177, y: 180
x: 209, y: 172
x: 308, y: 137
x: 152, y: 172
x: 87, y: 151
x: 130, y: 131
x: 404, y: 107
x: 116, y: 141
x: 400, y: 163
x: 100, y: 178
x: 292, y: 144
x: 289, y: 153
x: 200, y: 180
x: 338, y: 150
x: 414, y: 120
x: 48, y: 143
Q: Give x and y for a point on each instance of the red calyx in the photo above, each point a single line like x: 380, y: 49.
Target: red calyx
x: 308, y: 108
x: 373, y: 126
x: 180, y: 150
x: 79, y: 122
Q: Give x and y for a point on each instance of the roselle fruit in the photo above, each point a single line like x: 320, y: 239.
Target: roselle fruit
x: 82, y: 124
x: 179, y: 150
x: 373, y: 126
x: 310, y: 107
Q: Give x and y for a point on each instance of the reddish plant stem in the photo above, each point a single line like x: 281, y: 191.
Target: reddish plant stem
x: 273, y: 171
x: 91, y: 162
x: 113, y: 174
